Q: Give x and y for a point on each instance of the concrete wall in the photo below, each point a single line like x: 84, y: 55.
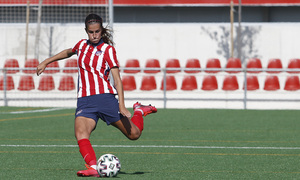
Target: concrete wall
x: 163, y: 41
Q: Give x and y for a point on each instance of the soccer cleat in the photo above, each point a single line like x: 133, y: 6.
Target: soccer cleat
x: 88, y: 172
x: 145, y: 109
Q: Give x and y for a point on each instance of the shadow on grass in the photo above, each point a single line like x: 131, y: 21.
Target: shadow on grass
x: 134, y: 173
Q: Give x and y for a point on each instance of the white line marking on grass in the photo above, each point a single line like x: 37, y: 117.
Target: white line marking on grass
x: 155, y: 146
x: 34, y: 111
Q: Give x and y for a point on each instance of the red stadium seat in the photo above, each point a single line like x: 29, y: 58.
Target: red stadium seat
x: 209, y: 83
x: 292, y: 83
x: 31, y: 63
x: 152, y: 63
x: 252, y: 83
x: 11, y: 63
x: 70, y: 63
x: 66, y: 83
x: 52, y: 65
x: 10, y: 85
x: 132, y: 63
x: 148, y: 83
x: 189, y: 83
x: 46, y: 83
x: 271, y: 83
x: 173, y: 63
x: 230, y: 83
x: 294, y: 64
x: 274, y: 63
x: 213, y: 63
x: 254, y: 63
x: 234, y: 63
x: 26, y: 83
x: 128, y: 83
x: 170, y: 83
x: 192, y: 63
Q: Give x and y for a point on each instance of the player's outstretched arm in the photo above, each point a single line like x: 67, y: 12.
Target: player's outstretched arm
x: 62, y: 55
x: 119, y: 86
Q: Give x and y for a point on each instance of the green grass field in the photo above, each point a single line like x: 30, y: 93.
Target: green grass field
x: 176, y: 144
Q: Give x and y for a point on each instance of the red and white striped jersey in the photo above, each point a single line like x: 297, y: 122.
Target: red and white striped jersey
x: 94, y: 64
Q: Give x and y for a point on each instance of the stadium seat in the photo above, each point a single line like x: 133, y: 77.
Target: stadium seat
x: 70, y: 63
x: 11, y: 63
x: 192, y: 63
x: 10, y: 85
x: 66, y: 83
x: 132, y: 63
x: 271, y: 83
x: 173, y: 63
x: 148, y: 83
x: 128, y: 83
x: 254, y: 63
x: 26, y: 83
x: 252, y: 83
x: 234, y: 63
x: 230, y: 83
x: 31, y: 63
x: 294, y: 64
x: 46, y: 83
x: 52, y: 65
x: 170, y: 83
x: 292, y: 83
x: 189, y: 83
x: 274, y: 63
x: 209, y: 83
x: 152, y: 63
x: 213, y: 63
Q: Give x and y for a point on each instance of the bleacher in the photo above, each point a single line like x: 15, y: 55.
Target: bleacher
x: 209, y: 81
x: 28, y: 72
x: 152, y: 66
x: 173, y: 82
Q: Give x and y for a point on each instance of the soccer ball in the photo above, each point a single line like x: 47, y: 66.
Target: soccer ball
x: 108, y: 165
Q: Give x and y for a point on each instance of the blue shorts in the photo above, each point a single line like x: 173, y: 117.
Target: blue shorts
x: 103, y: 106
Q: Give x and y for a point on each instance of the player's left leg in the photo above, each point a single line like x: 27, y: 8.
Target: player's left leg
x: 133, y: 128
x: 83, y: 128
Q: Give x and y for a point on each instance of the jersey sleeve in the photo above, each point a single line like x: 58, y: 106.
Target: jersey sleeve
x: 76, y: 47
x: 112, y: 57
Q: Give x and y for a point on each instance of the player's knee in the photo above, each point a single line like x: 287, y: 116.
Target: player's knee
x: 134, y: 136
x: 79, y: 134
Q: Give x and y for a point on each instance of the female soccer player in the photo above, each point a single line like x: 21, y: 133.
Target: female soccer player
x: 96, y: 94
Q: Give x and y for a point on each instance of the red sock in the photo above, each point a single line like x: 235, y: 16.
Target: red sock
x: 138, y: 120
x: 87, y: 152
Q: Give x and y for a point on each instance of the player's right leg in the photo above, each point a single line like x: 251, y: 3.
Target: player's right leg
x: 144, y: 108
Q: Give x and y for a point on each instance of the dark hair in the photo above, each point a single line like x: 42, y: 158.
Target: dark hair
x: 106, y: 33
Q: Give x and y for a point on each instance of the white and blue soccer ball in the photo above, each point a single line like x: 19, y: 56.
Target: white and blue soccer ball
x: 108, y: 165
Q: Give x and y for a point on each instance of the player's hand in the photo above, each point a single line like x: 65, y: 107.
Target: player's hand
x: 40, y: 68
x: 125, y: 112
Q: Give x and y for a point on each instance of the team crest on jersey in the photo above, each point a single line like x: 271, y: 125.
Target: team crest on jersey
x: 98, y: 53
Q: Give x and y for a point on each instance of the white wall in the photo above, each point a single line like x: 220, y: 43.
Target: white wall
x: 161, y: 41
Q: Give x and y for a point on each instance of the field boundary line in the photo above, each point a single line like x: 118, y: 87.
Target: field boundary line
x: 158, y: 146
x: 34, y: 117
x: 35, y: 111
